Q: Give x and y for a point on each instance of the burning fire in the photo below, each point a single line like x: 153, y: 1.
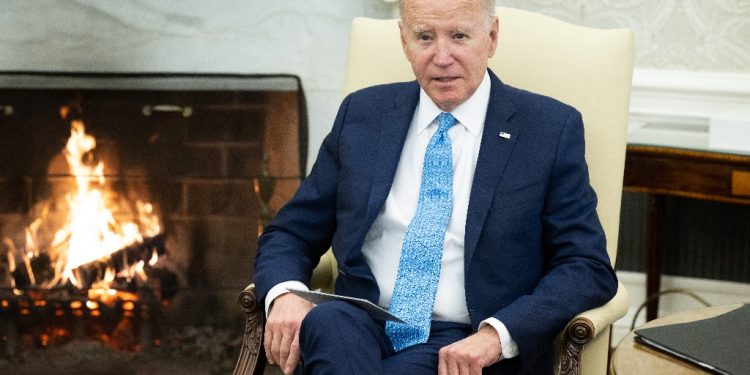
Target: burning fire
x: 96, y: 223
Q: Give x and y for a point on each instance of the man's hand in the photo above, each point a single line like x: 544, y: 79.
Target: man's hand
x: 282, y: 331
x: 470, y: 355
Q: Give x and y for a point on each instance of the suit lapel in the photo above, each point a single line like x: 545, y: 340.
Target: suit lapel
x: 394, y: 125
x: 390, y: 143
x: 494, y: 153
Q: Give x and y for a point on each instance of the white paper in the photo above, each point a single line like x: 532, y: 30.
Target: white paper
x: 375, y: 311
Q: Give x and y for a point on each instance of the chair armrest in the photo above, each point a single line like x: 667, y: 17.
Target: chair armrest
x: 253, y: 337
x: 602, y: 317
x: 587, y: 325
x: 323, y: 278
x: 324, y: 275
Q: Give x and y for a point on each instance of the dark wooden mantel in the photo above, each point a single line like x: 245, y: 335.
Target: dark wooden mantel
x: 666, y: 171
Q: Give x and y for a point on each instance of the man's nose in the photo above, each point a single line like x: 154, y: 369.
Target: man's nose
x: 443, y: 53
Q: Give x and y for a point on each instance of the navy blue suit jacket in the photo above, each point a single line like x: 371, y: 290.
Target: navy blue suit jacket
x: 535, y: 252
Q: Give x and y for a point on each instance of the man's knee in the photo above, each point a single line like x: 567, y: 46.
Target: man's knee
x: 329, y: 315
x: 339, y: 338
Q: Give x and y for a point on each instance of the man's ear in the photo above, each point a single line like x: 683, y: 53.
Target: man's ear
x: 494, y: 36
x: 403, y: 38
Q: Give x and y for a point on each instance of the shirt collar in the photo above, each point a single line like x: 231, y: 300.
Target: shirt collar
x: 471, y: 113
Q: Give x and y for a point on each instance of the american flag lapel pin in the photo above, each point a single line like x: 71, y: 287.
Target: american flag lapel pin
x: 504, y: 135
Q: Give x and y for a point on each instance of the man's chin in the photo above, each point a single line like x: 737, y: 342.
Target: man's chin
x: 446, y: 102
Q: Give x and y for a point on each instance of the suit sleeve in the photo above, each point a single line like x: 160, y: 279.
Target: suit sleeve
x: 578, y: 274
x: 293, y: 242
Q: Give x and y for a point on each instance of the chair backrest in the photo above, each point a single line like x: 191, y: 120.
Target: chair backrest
x: 590, y: 69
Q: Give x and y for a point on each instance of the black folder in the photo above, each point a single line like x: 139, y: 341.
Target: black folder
x: 720, y: 344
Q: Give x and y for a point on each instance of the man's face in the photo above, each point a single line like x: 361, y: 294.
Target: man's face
x: 448, y: 43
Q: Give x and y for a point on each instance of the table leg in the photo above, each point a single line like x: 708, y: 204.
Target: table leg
x: 654, y: 251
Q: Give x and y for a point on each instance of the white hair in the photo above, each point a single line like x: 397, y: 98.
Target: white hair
x: 489, y: 9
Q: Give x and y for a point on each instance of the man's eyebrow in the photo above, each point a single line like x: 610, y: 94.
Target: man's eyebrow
x: 416, y: 30
x: 461, y: 30
x: 420, y: 29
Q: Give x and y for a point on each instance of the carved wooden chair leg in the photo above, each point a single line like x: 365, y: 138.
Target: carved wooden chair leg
x: 248, y: 362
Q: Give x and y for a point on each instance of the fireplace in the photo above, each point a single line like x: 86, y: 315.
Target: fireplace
x: 197, y: 163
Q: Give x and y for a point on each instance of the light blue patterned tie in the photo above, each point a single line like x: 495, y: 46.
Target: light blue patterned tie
x: 422, y: 250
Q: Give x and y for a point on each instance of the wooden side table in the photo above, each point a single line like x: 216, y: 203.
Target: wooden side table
x: 666, y: 171
x: 632, y: 358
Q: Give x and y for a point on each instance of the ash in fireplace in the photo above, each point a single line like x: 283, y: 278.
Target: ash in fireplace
x: 187, y: 351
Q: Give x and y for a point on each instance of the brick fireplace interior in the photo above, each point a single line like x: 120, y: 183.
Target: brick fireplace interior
x: 216, y: 155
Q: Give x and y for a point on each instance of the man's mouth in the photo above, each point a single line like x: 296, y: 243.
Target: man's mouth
x: 445, y: 79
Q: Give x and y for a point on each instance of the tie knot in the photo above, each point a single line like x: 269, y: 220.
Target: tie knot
x: 445, y: 121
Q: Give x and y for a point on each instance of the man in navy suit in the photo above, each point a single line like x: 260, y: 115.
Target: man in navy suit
x: 523, y: 253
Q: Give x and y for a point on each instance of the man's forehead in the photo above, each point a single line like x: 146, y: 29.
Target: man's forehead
x: 425, y: 7
x: 458, y: 14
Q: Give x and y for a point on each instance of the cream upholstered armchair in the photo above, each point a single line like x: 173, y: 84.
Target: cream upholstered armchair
x: 590, y: 69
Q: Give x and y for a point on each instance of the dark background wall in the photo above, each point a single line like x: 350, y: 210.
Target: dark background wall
x: 703, y: 239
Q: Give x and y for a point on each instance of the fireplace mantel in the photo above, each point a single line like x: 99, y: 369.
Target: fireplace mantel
x: 149, y: 81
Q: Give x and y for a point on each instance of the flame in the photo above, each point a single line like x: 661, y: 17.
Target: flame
x: 93, y: 232
x: 154, y: 258
x: 97, y: 224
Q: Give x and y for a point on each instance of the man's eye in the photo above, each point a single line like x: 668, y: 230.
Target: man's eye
x: 423, y: 38
x: 460, y: 36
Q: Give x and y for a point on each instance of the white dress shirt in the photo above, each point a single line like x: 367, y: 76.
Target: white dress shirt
x: 382, y: 245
